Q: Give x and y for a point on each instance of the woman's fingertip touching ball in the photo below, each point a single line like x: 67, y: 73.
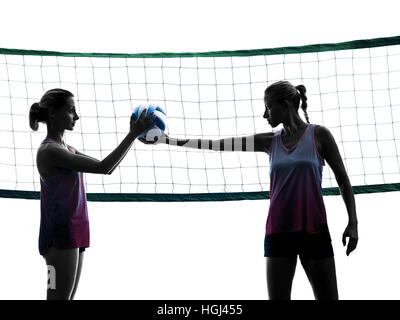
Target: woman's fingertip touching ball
x: 160, y: 121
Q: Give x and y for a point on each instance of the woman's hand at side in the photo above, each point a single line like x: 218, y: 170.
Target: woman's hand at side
x: 350, y: 232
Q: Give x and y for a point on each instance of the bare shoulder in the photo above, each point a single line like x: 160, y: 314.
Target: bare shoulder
x: 43, y: 159
x: 323, y: 139
x: 322, y: 133
x: 330, y: 152
x: 263, y: 141
x: 45, y: 150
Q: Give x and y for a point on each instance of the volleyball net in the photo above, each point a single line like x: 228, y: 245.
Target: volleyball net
x: 353, y: 89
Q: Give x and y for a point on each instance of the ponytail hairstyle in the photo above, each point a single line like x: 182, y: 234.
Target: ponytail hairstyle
x: 302, y: 91
x: 39, y: 111
x: 284, y: 90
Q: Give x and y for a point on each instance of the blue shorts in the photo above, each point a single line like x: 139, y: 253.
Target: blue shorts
x: 306, y: 245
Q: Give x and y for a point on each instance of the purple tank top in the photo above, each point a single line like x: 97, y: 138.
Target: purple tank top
x: 296, y: 202
x: 64, y: 219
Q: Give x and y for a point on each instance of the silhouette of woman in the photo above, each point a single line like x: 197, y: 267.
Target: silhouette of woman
x: 64, y: 224
x: 296, y: 224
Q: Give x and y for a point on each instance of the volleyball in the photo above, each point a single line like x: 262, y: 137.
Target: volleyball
x: 160, y: 122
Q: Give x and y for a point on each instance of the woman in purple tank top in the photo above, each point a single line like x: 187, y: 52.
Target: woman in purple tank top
x: 64, y: 224
x: 296, y: 224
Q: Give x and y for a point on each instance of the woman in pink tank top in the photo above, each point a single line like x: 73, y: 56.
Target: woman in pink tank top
x: 64, y: 223
x: 296, y: 223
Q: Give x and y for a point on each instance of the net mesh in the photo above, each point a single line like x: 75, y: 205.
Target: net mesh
x: 355, y: 93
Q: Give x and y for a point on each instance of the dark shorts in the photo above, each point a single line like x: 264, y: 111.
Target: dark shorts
x: 81, y: 249
x: 306, y: 245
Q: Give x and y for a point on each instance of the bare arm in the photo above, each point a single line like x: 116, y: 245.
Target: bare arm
x: 114, y: 167
x: 255, y: 143
x: 57, y: 156
x: 80, y: 153
x: 330, y: 152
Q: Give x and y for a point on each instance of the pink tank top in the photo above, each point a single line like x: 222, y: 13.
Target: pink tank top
x: 64, y: 219
x: 296, y: 202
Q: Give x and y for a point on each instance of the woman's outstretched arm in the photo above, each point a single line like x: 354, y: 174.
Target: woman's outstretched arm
x: 254, y: 143
x: 56, y: 156
x: 330, y: 153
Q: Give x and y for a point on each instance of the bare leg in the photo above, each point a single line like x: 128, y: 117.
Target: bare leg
x: 78, y: 275
x: 322, y: 275
x: 65, y: 264
x: 280, y: 273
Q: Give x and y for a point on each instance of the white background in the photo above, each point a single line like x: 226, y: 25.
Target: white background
x: 193, y: 250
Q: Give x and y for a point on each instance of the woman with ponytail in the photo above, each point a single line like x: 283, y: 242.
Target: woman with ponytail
x: 296, y: 224
x: 64, y: 224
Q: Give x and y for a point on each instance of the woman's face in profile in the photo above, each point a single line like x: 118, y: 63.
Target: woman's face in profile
x: 65, y: 118
x: 273, y: 111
